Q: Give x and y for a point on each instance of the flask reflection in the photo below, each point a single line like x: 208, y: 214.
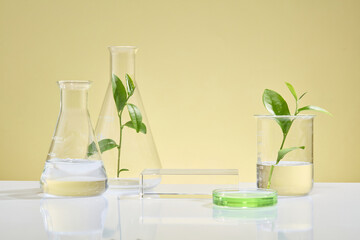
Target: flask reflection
x: 74, y: 218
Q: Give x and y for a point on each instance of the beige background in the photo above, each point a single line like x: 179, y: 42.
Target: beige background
x: 201, y: 70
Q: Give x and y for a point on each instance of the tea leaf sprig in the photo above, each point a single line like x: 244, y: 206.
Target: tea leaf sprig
x: 121, y: 98
x: 276, y: 105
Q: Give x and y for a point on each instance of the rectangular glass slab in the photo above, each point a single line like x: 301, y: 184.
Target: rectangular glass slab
x: 186, y: 183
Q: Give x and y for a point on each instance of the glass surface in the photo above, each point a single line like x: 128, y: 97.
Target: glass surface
x: 244, y: 198
x: 73, y: 166
x: 138, y: 149
x: 201, y: 186
x: 292, y: 175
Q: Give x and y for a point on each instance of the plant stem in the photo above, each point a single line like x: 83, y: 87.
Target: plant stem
x: 283, y: 141
x: 281, y: 147
x: 119, y: 146
x: 273, y: 166
x: 270, y: 176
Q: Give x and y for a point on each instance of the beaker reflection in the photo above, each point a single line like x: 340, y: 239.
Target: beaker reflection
x: 74, y: 218
x: 295, y: 218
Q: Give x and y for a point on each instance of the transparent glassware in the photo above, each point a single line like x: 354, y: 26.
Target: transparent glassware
x: 137, y: 150
x: 73, y: 166
x: 293, y: 174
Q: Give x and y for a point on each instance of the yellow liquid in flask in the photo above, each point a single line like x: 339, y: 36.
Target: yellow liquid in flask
x: 74, y: 177
x: 75, y: 188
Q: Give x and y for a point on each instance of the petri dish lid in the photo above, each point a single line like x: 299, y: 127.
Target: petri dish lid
x: 244, y: 198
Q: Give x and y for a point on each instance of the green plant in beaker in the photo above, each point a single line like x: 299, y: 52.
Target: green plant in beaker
x: 285, y: 158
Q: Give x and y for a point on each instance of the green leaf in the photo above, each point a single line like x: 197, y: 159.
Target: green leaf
x: 292, y: 90
x: 119, y: 93
x: 275, y: 103
x: 285, y: 124
x: 142, y: 126
x: 284, y: 151
x: 314, y: 108
x: 91, y: 149
x: 135, y: 116
x: 130, y: 87
x: 302, y: 95
x: 107, y: 144
x: 123, y: 170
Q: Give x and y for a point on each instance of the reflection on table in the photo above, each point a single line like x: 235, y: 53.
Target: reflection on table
x: 331, y: 211
x: 74, y: 218
x: 161, y: 218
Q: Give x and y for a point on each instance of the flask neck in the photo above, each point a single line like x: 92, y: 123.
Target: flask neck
x: 74, y: 95
x: 123, y: 61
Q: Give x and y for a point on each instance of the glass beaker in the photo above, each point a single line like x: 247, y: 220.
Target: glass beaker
x: 285, y: 161
x: 73, y: 166
x: 126, y: 150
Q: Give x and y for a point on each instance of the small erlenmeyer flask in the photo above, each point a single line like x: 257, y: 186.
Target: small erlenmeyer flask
x: 122, y: 128
x: 73, y: 166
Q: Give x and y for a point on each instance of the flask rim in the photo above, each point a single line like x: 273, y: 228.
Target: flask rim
x: 122, y: 48
x: 74, y: 84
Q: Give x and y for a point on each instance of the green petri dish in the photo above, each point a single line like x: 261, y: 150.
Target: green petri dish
x: 244, y: 198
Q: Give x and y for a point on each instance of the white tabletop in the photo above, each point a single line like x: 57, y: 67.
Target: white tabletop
x: 331, y: 211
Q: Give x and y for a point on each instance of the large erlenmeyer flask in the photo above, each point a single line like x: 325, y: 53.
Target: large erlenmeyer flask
x: 122, y: 129
x: 73, y: 166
